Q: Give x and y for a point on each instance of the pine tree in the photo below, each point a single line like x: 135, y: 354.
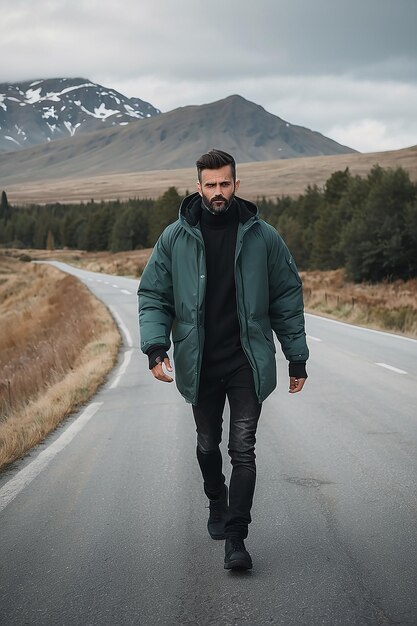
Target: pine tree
x: 324, y: 239
x: 99, y: 227
x: 50, y: 240
x: 378, y: 242
x: 5, y: 211
x: 130, y: 229
x: 164, y: 212
x: 336, y: 186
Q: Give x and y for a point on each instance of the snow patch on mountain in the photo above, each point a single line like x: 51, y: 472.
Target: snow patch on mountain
x: 100, y: 112
x: 130, y: 111
x: 70, y: 128
x: 11, y: 139
x: 49, y: 112
x: 33, y: 95
x: 45, y: 110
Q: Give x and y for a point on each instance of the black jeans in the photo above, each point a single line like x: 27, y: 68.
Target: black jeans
x: 245, y: 410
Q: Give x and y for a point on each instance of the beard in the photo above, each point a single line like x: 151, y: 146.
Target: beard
x: 217, y: 205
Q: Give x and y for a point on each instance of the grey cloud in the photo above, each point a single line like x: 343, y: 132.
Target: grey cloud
x: 319, y: 63
x: 188, y: 39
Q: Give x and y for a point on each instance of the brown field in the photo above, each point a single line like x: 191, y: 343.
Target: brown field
x: 267, y: 178
x: 57, y: 343
x: 118, y: 263
x: 385, y: 306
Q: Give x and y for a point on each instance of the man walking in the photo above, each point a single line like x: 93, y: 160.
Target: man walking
x: 219, y: 280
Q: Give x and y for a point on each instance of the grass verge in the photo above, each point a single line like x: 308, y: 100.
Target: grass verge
x: 57, y: 344
x: 385, y: 306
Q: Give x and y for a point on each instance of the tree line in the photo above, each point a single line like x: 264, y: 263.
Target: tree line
x: 366, y: 224
x: 91, y: 226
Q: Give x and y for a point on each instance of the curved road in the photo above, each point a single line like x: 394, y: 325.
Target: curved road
x: 105, y: 523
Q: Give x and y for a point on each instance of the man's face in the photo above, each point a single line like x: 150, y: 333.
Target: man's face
x: 217, y: 188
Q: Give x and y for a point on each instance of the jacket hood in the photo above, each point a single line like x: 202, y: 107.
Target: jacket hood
x: 191, y: 207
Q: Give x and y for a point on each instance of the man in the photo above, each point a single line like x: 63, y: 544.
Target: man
x: 220, y: 279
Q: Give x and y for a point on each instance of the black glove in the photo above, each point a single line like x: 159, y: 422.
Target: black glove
x: 156, y: 354
x: 297, y: 369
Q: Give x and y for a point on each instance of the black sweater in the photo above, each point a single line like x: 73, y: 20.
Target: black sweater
x: 223, y: 352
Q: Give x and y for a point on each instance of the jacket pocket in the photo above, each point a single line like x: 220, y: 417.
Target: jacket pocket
x: 291, y: 264
x: 186, y: 350
x: 262, y: 347
x: 265, y: 330
x: 181, y: 330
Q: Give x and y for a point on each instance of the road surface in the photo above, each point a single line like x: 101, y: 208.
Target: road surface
x: 105, y: 523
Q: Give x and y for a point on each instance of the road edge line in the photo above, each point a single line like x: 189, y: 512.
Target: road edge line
x: 368, y: 330
x: 25, y: 476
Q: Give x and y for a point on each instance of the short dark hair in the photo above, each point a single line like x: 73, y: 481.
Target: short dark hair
x: 214, y: 160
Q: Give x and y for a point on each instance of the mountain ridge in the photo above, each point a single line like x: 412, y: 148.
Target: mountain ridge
x: 170, y: 140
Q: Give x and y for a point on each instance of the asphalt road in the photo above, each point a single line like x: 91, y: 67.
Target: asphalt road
x: 105, y: 523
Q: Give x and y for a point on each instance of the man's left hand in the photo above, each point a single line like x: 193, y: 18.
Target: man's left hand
x: 296, y: 384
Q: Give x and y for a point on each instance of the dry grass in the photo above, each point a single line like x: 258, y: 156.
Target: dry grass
x: 266, y: 178
x: 387, y: 306
x: 57, y: 343
x: 130, y: 263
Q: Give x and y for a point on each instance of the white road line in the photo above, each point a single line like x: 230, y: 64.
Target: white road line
x: 129, y: 293
x: 123, y: 367
x: 391, y: 368
x: 98, y: 280
x: 122, y: 326
x: 115, y: 286
x: 314, y: 338
x: 367, y: 330
x: 16, y: 484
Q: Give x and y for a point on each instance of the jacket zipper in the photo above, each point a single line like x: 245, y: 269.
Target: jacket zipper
x: 252, y: 362
x: 200, y: 277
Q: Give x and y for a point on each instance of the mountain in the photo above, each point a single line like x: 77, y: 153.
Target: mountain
x: 36, y: 112
x: 169, y: 141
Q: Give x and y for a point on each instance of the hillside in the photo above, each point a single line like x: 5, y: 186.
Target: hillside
x: 268, y: 178
x: 169, y: 141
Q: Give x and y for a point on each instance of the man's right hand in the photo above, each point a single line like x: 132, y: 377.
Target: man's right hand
x: 158, y: 371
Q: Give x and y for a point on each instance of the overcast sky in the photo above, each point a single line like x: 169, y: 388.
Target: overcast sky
x: 346, y: 68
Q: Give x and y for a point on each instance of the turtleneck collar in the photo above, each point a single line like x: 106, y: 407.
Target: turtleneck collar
x: 191, y: 209
x: 223, y: 220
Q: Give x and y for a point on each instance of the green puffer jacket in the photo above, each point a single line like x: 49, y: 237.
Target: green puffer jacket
x: 268, y: 292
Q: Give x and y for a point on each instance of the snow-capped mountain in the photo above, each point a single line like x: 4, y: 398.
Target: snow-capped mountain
x: 39, y: 111
x: 170, y: 140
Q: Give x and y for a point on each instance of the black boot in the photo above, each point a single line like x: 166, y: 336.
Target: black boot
x: 236, y: 555
x: 218, y: 513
